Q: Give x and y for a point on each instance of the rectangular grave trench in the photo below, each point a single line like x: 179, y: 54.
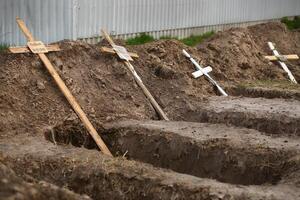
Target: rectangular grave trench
x: 257, y: 92
x: 216, y: 158
x: 271, y: 116
x: 279, y: 125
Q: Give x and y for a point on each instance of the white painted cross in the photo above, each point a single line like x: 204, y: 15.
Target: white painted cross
x: 204, y: 71
x: 280, y: 59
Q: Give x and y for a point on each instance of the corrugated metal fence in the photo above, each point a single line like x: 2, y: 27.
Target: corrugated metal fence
x: 53, y: 20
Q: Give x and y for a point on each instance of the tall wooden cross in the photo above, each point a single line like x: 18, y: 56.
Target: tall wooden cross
x: 37, y: 47
x: 126, y: 58
x: 280, y: 59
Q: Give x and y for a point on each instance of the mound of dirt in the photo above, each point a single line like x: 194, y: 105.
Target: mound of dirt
x: 30, y: 100
x: 238, y: 54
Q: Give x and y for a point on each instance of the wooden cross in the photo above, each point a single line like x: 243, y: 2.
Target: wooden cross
x: 112, y: 51
x: 126, y: 58
x: 40, y: 49
x: 280, y: 59
x: 203, y: 71
x: 26, y: 49
x: 283, y: 57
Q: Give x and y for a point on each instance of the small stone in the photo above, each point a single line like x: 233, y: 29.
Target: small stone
x: 109, y: 118
x: 40, y: 85
x: 165, y: 72
x: 4, y: 180
x: 36, y: 63
x: 58, y: 63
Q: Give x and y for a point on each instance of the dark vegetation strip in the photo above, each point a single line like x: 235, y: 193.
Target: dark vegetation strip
x: 3, y: 47
x: 291, y: 24
x: 193, y: 40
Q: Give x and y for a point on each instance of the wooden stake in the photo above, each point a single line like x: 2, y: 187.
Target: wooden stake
x: 139, y: 81
x: 71, y: 99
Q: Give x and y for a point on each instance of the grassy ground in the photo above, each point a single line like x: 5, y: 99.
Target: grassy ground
x: 141, y: 39
x: 193, y: 40
x: 291, y: 24
x: 3, y: 47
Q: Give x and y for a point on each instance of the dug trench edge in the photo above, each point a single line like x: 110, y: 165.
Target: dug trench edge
x: 230, y: 155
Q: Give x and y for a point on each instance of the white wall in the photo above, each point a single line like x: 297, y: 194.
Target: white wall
x: 53, y: 20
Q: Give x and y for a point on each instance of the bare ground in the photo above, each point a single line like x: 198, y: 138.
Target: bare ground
x: 99, y: 176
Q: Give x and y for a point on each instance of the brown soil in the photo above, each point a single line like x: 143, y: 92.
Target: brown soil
x: 238, y: 156
x: 265, y: 92
x: 266, y: 89
x: 30, y: 100
x: 14, y: 187
x: 99, y: 176
x: 273, y: 116
x: 31, y: 104
x: 238, y: 53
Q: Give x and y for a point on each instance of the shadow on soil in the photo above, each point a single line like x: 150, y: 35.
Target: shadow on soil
x: 211, y: 158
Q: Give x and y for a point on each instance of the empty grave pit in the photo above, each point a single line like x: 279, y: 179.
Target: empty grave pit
x: 88, y: 172
x: 271, y: 116
x: 264, y: 92
x: 229, y: 155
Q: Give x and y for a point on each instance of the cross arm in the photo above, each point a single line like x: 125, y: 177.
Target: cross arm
x: 25, y: 49
x: 111, y: 51
x: 288, y: 57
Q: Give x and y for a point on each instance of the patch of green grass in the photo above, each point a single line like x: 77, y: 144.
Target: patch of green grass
x: 141, y: 39
x: 3, y: 47
x: 291, y: 24
x: 193, y: 40
x: 168, y: 37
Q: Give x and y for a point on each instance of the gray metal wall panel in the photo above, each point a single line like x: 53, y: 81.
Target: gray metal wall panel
x: 53, y: 20
x: 49, y: 20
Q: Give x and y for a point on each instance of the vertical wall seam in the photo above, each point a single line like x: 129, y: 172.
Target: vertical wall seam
x: 75, y: 10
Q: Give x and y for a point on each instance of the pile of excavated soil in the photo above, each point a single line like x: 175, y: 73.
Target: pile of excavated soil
x: 237, y: 54
x: 30, y: 100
